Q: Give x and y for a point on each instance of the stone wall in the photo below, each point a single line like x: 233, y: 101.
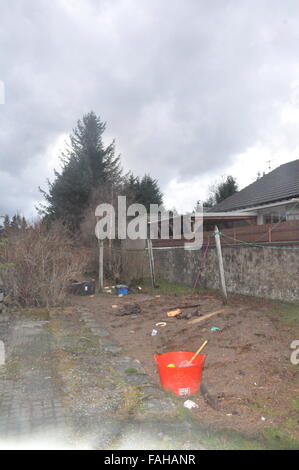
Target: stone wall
x: 262, y: 272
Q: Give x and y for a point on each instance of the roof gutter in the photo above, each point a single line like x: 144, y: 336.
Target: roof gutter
x: 274, y: 204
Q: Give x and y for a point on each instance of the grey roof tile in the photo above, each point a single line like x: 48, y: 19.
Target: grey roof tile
x: 281, y: 183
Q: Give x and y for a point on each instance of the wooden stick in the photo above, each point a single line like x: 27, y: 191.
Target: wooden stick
x: 185, y: 306
x: 197, y: 352
x: 196, y: 320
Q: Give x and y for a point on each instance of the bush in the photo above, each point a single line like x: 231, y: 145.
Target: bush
x: 39, y: 264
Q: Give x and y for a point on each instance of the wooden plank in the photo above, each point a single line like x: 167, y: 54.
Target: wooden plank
x: 205, y: 317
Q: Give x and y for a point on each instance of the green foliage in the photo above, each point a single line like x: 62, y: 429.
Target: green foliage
x: 221, y: 191
x: 16, y: 222
x: 89, y: 172
x: 4, y: 265
x: 144, y: 191
x: 86, y: 166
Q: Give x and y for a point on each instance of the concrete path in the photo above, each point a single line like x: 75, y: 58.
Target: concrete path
x: 65, y: 384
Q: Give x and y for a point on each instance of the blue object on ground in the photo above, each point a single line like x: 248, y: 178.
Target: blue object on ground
x: 122, y: 289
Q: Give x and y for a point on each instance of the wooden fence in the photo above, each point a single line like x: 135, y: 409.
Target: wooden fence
x: 281, y: 232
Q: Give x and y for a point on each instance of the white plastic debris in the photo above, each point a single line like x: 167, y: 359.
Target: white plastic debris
x: 184, y: 363
x: 263, y: 418
x: 190, y: 404
x: 154, y: 332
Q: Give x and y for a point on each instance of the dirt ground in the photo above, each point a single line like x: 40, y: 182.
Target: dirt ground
x: 247, y: 368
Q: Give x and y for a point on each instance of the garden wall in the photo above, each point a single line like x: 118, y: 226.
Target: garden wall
x: 262, y: 272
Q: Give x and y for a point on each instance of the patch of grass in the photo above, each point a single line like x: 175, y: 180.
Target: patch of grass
x: 131, y: 370
x: 182, y: 413
x: 132, y: 398
x: 165, y: 287
x: 13, y: 367
x: 291, y: 423
x: 268, y: 411
x: 278, y: 440
x: 286, y: 311
x: 295, y: 404
x: 269, y: 439
x: 34, y: 313
x: 231, y: 440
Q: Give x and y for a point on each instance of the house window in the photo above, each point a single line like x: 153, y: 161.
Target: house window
x: 274, y: 218
x: 293, y: 216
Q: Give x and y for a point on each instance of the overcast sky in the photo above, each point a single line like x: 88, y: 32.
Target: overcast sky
x: 191, y: 90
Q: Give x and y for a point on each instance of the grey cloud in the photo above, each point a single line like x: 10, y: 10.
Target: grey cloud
x: 183, y: 86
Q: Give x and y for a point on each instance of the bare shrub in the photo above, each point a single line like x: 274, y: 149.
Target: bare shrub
x: 40, y: 264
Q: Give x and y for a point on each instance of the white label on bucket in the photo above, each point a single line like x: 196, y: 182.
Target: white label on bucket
x: 184, y: 391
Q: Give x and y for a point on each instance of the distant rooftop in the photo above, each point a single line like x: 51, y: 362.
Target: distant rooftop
x: 281, y: 183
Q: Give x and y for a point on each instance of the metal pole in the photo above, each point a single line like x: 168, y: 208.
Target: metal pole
x: 220, y: 261
x: 151, y: 261
x: 101, y: 265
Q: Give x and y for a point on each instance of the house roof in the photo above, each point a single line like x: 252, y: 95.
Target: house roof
x: 281, y: 183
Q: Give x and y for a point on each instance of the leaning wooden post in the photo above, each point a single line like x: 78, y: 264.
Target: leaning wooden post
x: 101, y: 265
x: 220, y: 261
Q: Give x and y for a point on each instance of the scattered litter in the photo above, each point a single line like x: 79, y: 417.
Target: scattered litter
x: 82, y: 288
x: 190, y: 404
x: 157, y: 296
x: 114, y: 306
x: 132, y: 331
x: 185, y: 306
x: 139, y: 288
x: 174, y: 313
x: 263, y: 418
x: 208, y: 315
x: 188, y: 314
x: 154, y: 332
x: 215, y: 328
x: 130, y: 309
x: 122, y: 289
x: 229, y: 414
x: 120, y: 295
x: 161, y: 323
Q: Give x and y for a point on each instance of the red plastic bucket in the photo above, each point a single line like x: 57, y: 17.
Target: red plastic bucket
x: 182, y: 381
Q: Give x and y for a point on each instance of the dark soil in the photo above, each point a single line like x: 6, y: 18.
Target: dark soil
x: 247, y: 366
